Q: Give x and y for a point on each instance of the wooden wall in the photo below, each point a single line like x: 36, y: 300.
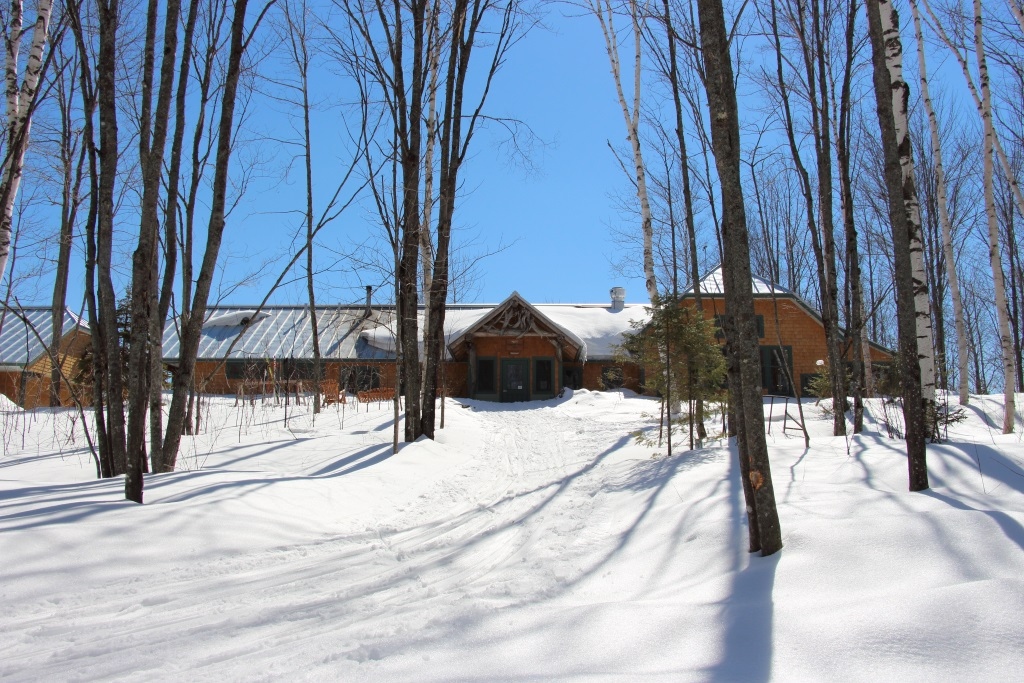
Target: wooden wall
x: 786, y: 319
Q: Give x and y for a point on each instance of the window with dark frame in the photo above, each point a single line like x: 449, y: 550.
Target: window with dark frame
x: 774, y: 365
x: 360, y: 377
x: 720, y: 330
x: 301, y: 369
x: 611, y: 377
x: 485, y: 376
x: 246, y: 369
x: 572, y: 376
x: 543, y: 374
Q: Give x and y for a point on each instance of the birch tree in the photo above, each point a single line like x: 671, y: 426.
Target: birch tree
x: 995, y: 257
x: 21, y: 103
x: 943, y: 209
x: 960, y: 54
x: 605, y: 12
x: 913, y: 317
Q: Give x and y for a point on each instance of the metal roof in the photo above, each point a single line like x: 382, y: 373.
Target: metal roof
x: 280, y: 332
x: 713, y: 284
x: 24, y: 327
x: 349, y: 333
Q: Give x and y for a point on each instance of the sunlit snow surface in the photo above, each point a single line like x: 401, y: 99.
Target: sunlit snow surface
x: 528, y: 542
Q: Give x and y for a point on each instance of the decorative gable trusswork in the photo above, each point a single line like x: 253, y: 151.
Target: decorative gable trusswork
x: 515, y: 319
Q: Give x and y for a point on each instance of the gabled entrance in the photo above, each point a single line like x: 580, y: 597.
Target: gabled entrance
x: 524, y: 346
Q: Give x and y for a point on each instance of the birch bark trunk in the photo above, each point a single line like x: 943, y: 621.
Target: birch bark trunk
x: 605, y: 14
x: 21, y: 102
x: 995, y: 257
x: 891, y: 96
x: 947, y: 233
x: 1004, y: 162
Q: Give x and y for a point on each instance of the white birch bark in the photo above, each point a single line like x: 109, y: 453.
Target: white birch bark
x: 922, y: 305
x: 20, y: 101
x: 605, y: 14
x: 1017, y: 14
x: 1004, y: 162
x: 947, y: 233
x: 995, y: 257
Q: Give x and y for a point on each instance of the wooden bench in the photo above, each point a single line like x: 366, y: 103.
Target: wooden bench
x: 376, y: 395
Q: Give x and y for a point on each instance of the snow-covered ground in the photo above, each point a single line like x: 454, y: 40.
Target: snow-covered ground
x: 528, y: 542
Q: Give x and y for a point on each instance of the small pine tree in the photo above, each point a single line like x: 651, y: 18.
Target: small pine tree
x: 679, y: 353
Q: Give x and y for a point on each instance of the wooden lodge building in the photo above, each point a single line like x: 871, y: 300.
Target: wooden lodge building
x: 788, y: 328
x: 25, y: 334
x: 512, y: 351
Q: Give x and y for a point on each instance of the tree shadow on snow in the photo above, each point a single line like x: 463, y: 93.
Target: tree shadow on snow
x: 747, y: 613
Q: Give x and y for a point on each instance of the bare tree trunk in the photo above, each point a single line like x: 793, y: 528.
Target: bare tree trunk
x: 171, y: 216
x: 892, y: 95
x: 107, y: 153
x: 192, y: 325
x: 467, y: 21
x: 684, y: 163
x: 430, y: 145
x: 725, y: 138
x: 72, y: 175
x: 99, y: 350
x: 152, y: 141
x: 821, y: 229
x: 298, y: 42
x: 844, y: 144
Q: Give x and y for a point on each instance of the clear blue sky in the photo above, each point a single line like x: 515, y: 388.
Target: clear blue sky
x: 555, y: 217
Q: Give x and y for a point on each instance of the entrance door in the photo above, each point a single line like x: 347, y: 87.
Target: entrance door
x: 515, y: 380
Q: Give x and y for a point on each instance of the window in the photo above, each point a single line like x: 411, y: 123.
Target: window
x: 485, y: 376
x: 299, y: 369
x: 720, y: 320
x: 572, y: 376
x: 360, y: 377
x: 774, y: 375
x: 246, y: 369
x: 543, y: 376
x: 611, y: 377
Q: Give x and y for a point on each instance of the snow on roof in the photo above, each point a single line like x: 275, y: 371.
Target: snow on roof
x: 599, y: 327
x: 713, y: 284
x: 23, y: 328
x: 347, y: 333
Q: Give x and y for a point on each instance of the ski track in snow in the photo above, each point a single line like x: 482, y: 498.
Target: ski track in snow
x: 534, y: 541
x: 523, y: 499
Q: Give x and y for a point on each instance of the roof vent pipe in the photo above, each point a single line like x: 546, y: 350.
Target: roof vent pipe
x: 618, y: 298
x: 369, y: 290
